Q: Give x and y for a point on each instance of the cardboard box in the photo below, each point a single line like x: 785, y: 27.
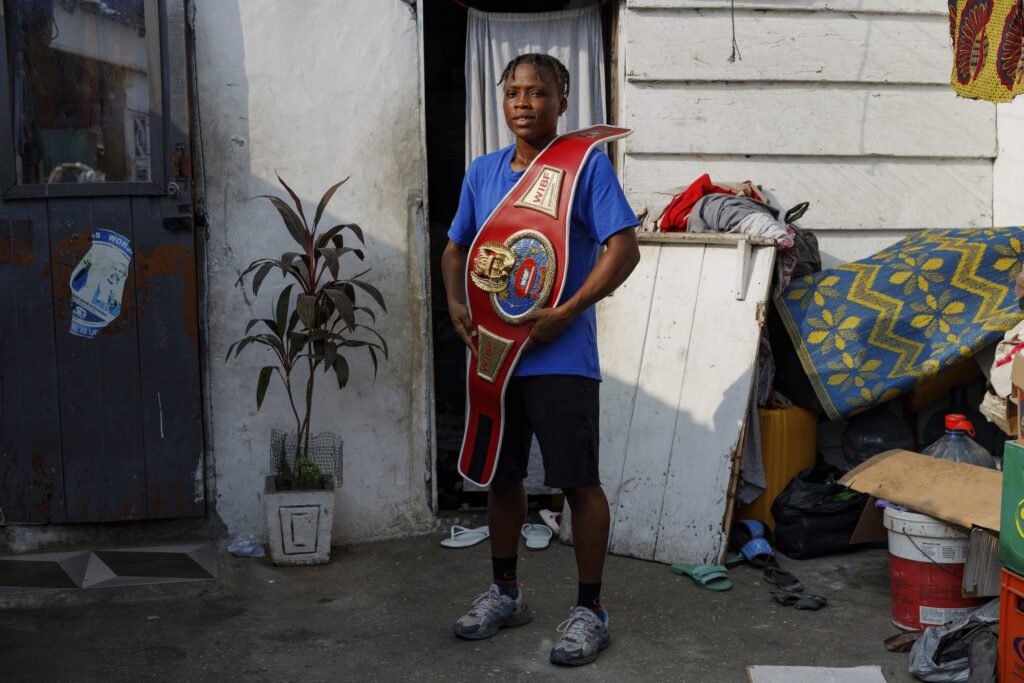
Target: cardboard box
x: 1011, y: 541
x: 958, y: 493
x: 966, y: 495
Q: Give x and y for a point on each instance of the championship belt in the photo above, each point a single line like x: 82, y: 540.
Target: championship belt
x: 517, y: 264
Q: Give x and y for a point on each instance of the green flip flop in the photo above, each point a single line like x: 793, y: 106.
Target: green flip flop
x: 711, y: 576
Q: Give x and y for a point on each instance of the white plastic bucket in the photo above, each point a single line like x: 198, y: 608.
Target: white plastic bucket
x: 926, y: 567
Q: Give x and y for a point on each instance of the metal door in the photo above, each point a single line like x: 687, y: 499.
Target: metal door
x: 100, y: 405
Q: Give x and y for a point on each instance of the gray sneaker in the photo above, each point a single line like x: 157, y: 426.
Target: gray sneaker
x: 584, y: 634
x: 492, y: 611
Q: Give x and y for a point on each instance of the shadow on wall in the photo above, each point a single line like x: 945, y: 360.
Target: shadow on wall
x: 382, y: 421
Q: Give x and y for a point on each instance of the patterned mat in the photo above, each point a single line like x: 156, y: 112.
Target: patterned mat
x: 874, y: 329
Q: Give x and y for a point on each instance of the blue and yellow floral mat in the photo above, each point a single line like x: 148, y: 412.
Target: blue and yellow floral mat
x: 871, y: 330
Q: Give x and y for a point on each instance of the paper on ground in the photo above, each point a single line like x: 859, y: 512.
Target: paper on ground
x: 814, y: 674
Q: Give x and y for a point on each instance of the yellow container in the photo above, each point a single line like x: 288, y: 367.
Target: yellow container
x: 789, y: 443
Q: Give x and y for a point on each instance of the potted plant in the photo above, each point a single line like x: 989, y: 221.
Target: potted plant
x: 315, y: 321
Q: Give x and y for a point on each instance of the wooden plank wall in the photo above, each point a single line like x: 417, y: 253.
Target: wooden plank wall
x: 842, y: 103
x: 677, y: 355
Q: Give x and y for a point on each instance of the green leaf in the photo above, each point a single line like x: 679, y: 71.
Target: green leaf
x: 343, y: 305
x: 261, y: 275
x: 293, y: 320
x: 291, y: 221
x: 331, y: 254
x: 383, y: 343
x: 238, y: 346
x: 300, y: 272
x: 368, y: 311
x: 261, y: 386
x: 295, y: 198
x: 330, y: 354
x: 372, y: 291
x: 296, y: 343
x: 250, y: 268
x: 281, y: 312
x: 340, y: 366
x: 333, y: 235
x: 325, y: 200
x: 373, y: 355
x: 306, y: 305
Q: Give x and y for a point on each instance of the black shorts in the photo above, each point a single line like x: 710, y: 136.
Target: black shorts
x: 563, y: 411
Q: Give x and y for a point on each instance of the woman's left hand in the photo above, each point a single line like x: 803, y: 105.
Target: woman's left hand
x: 548, y: 323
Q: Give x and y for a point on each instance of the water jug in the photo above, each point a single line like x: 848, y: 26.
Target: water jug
x: 958, y: 446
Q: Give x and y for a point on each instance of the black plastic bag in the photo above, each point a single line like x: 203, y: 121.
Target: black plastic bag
x: 814, y: 515
x: 808, y: 257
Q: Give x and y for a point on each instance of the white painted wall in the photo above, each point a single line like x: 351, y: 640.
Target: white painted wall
x: 317, y: 94
x: 1008, y: 192
x: 842, y: 103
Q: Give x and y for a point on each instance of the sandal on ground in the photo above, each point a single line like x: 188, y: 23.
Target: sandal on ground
x: 537, y: 536
x: 753, y: 540
x: 711, y: 576
x: 777, y: 576
x: 799, y: 600
x: 463, y: 537
x: 553, y: 520
x: 734, y: 560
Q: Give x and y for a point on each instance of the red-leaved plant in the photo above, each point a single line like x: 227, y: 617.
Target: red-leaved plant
x: 316, y: 326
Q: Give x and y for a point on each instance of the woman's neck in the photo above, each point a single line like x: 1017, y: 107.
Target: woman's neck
x: 526, y: 151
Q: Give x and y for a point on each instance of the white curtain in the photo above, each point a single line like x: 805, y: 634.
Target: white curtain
x: 493, y: 39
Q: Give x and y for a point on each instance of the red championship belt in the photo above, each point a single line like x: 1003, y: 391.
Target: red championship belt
x: 517, y: 264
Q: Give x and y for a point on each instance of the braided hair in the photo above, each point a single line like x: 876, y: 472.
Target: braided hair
x: 540, y: 61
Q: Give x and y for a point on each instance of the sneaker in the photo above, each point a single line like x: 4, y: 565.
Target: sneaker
x: 492, y: 611
x: 584, y: 634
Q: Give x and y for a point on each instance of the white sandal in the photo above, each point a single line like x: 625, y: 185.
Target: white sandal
x: 537, y: 536
x: 463, y: 537
x: 552, y: 519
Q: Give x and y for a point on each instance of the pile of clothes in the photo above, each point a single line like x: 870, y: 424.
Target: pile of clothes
x: 705, y: 206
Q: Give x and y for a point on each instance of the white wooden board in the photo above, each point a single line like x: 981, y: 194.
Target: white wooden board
x: 794, y: 119
x: 789, y: 46
x: 620, y: 361
x: 677, y: 349
x: 815, y: 674
x: 849, y: 193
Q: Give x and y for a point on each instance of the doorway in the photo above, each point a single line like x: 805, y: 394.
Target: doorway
x: 444, y: 35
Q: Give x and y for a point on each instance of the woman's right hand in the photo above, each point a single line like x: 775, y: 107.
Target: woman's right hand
x: 463, y: 324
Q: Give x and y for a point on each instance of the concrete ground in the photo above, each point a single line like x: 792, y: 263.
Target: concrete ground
x: 382, y: 612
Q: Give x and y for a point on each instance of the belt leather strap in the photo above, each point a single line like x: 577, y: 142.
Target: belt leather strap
x: 516, y: 265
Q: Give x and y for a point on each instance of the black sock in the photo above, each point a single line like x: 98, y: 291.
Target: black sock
x: 505, y: 574
x: 589, y: 595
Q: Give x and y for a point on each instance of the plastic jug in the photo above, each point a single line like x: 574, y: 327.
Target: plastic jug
x: 958, y: 446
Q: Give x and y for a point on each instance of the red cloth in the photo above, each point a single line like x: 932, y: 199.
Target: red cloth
x: 678, y: 211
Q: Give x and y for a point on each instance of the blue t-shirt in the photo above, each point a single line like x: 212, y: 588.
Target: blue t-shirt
x: 599, y: 210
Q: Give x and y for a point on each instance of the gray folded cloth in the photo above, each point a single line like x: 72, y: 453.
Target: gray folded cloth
x: 725, y: 213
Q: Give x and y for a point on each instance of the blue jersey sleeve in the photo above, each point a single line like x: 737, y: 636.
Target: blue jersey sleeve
x: 464, y: 225
x: 601, y: 203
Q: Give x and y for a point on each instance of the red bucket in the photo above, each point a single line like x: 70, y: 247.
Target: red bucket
x: 926, y: 569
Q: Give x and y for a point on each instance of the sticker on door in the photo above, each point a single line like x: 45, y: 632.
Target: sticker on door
x: 97, y: 283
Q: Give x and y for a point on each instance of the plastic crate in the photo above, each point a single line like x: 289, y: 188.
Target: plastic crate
x: 1011, y: 628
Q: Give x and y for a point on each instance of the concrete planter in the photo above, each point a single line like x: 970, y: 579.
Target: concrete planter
x: 298, y: 525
